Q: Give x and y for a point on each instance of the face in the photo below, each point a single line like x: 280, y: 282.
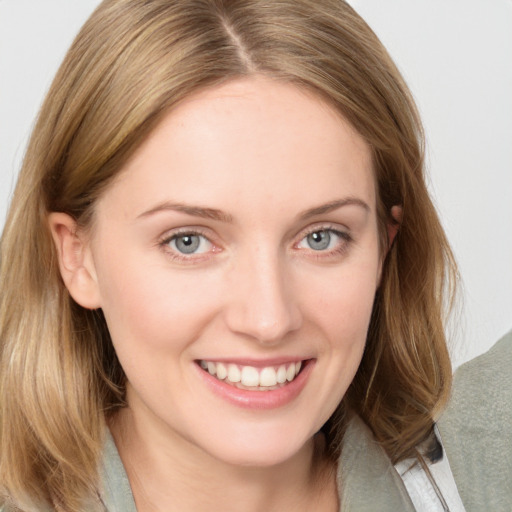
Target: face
x: 236, y: 260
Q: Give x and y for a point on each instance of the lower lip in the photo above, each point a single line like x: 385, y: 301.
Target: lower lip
x: 270, y: 399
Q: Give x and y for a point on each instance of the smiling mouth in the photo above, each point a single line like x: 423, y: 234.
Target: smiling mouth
x: 251, y: 378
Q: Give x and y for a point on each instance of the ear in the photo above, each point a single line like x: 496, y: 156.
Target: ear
x: 75, y: 260
x: 394, y: 225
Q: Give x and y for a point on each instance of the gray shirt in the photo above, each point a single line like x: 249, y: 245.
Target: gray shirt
x: 476, y: 430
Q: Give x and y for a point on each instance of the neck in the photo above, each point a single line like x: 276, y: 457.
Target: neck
x: 167, y: 475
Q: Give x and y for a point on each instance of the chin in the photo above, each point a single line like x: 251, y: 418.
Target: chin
x: 260, y: 449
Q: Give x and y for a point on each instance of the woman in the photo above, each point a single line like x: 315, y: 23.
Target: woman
x: 232, y: 272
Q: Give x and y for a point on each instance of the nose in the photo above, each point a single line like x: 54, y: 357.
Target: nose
x: 262, y: 304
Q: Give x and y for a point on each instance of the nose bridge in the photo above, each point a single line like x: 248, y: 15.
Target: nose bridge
x: 263, y: 305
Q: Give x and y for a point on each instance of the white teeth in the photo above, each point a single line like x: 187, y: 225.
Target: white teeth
x: 281, y: 374
x: 290, y: 372
x: 250, y: 377
x: 212, y: 368
x: 268, y: 377
x: 222, y: 371
x: 233, y: 373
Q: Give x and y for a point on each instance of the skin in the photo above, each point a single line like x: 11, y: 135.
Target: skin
x: 261, y: 153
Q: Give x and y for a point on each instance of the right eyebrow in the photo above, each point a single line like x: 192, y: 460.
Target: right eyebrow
x: 334, y: 205
x: 194, y: 211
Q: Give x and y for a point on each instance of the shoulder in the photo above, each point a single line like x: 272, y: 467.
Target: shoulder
x: 482, y: 390
x: 366, y: 476
x: 494, y: 361
x: 475, y: 429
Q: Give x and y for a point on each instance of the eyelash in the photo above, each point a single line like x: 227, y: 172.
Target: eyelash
x: 340, y: 249
x: 184, y: 258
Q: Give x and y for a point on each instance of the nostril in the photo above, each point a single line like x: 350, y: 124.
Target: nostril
x: 265, y: 325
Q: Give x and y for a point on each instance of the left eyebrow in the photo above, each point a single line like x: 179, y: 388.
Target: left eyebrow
x: 333, y: 205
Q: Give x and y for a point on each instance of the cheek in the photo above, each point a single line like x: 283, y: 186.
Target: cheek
x: 345, y: 301
x: 146, y: 305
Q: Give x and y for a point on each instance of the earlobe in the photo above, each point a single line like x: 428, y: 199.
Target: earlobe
x: 75, y: 261
x: 394, y: 225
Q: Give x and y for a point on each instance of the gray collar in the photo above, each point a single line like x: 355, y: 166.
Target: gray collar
x: 367, y: 481
x: 116, y: 492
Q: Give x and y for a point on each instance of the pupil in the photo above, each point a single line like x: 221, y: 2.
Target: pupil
x: 319, y: 240
x: 188, y: 244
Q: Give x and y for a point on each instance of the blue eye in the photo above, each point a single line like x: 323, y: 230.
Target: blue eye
x: 322, y: 240
x: 190, y: 243
x: 319, y: 240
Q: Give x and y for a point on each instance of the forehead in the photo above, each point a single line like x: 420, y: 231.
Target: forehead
x: 253, y: 140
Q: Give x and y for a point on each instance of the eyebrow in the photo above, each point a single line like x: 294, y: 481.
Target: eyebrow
x: 194, y: 211
x: 219, y: 215
x: 334, y: 205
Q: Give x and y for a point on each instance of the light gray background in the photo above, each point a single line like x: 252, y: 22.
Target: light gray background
x: 457, y: 58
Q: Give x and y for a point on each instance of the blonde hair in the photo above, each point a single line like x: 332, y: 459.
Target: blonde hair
x: 133, y: 61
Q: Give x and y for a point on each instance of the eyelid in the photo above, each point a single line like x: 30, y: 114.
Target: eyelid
x: 334, y: 228
x: 181, y: 231
x: 343, y: 233
x: 165, y: 239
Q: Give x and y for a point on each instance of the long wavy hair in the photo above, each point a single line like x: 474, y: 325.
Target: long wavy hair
x: 130, y: 64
